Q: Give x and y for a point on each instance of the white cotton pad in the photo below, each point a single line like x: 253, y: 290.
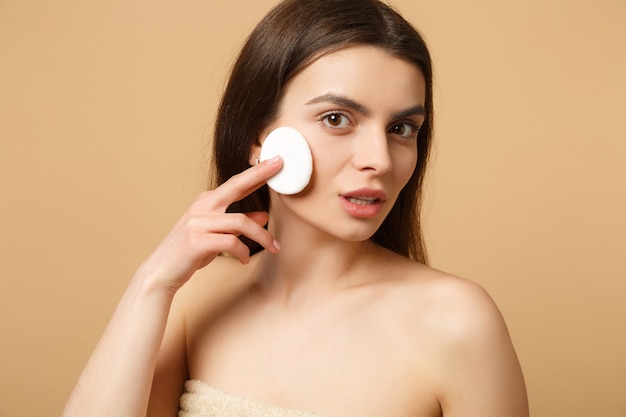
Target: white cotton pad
x: 297, y: 161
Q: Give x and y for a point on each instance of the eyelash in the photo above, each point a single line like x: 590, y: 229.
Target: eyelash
x: 324, y: 118
x: 412, y: 127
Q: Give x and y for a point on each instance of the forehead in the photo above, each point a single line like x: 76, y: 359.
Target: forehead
x: 368, y: 74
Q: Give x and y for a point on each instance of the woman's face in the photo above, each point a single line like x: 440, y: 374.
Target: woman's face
x: 359, y: 109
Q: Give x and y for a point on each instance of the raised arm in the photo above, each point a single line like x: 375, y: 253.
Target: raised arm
x: 118, y: 377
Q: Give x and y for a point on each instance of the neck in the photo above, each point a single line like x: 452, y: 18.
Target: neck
x: 312, y: 265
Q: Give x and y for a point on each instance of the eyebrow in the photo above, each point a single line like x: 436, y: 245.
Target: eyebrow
x: 418, y: 110
x: 342, y: 101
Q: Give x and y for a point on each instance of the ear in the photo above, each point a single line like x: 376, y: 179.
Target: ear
x: 255, y: 151
x: 255, y: 148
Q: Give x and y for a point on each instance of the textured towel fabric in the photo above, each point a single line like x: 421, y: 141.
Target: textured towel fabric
x: 202, y: 400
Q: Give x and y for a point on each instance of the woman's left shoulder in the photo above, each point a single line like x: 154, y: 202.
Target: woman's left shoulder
x: 457, y: 333
x: 458, y: 307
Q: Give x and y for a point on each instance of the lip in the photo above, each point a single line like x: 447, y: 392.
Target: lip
x: 363, y: 202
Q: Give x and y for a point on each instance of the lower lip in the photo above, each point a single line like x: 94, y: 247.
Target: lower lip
x: 363, y: 211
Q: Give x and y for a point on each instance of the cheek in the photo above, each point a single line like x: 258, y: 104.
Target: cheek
x: 405, y: 162
x: 327, y: 159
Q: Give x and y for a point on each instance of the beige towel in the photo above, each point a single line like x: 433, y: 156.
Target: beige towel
x: 202, y: 400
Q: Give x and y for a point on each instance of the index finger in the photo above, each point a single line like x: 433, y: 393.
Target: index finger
x: 243, y: 184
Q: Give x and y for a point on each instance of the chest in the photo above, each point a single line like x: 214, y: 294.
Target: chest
x: 338, y: 363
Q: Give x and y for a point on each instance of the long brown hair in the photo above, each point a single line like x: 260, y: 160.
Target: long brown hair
x: 291, y: 35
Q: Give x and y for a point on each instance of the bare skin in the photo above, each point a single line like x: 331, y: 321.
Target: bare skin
x: 325, y: 321
x: 412, y: 342
x: 118, y: 376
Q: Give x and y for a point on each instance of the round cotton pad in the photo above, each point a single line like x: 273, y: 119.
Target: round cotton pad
x: 297, y: 161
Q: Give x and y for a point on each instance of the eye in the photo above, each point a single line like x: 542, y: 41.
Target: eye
x: 406, y: 130
x: 335, y: 119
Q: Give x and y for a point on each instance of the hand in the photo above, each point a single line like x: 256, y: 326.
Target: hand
x: 206, y: 230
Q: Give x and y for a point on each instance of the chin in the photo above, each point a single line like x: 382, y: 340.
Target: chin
x: 356, y: 235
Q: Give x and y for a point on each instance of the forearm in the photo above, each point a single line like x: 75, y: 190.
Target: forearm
x: 117, y: 378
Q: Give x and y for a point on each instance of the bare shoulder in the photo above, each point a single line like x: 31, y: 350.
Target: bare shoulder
x: 458, y: 314
x: 463, y: 307
x: 476, y: 366
x: 457, y: 305
x: 456, y: 302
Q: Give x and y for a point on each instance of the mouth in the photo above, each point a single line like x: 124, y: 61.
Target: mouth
x: 362, y: 200
x: 365, y: 196
x: 364, y: 203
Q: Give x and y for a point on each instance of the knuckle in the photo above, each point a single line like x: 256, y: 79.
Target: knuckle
x: 231, y: 244
x: 194, y: 222
x: 231, y: 241
x: 240, y: 220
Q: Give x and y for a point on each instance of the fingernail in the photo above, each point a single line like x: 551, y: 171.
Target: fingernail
x: 276, y: 245
x: 273, y: 160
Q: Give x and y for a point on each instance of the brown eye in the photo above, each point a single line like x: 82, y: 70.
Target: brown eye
x: 335, y: 120
x: 405, y: 130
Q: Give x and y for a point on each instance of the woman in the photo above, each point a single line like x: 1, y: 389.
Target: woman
x: 329, y: 309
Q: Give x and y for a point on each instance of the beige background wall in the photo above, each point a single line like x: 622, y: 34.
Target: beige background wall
x: 105, y: 114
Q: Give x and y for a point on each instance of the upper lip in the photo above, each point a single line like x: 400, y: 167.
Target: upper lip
x: 368, y: 193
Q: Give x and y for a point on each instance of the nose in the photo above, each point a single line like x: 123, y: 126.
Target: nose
x: 372, y: 153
